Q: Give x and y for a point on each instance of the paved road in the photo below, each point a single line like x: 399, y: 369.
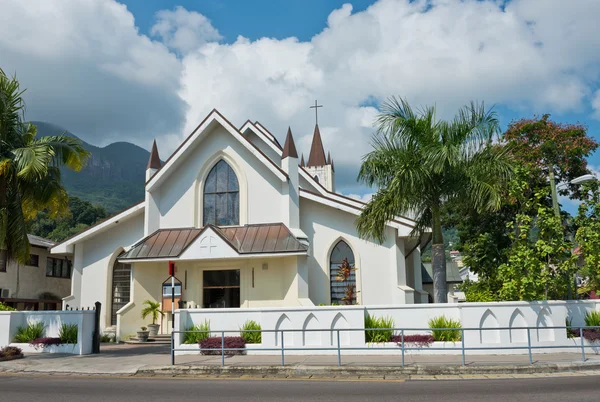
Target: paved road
x: 49, y: 388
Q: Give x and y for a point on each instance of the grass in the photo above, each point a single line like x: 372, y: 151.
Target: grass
x: 381, y: 334
x: 251, y: 337
x: 30, y: 333
x: 68, y: 333
x: 202, y: 332
x: 592, y: 319
x: 440, y: 332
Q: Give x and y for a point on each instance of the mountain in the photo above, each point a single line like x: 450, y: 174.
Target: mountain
x: 114, y: 176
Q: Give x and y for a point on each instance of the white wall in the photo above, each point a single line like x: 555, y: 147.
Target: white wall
x: 179, y: 198
x: 10, y: 321
x: 413, y: 318
x: 377, y: 274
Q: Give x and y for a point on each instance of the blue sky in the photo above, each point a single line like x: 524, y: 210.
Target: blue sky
x: 139, y: 70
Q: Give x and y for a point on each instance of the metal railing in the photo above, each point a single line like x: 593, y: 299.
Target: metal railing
x: 402, y: 345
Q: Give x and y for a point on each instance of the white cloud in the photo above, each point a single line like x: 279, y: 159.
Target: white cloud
x: 184, y: 30
x: 361, y: 197
x: 94, y: 72
x: 596, y: 104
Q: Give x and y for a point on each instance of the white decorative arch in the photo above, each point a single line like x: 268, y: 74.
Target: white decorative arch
x: 517, y: 319
x: 544, y: 320
x: 311, y: 338
x: 340, y: 322
x: 357, y: 265
x: 489, y: 320
x: 108, y: 284
x: 231, y: 159
x: 284, y: 323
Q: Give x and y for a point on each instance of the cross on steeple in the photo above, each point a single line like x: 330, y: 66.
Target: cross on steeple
x: 316, y: 106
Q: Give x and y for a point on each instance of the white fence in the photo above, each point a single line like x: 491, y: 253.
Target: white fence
x: 10, y: 321
x: 508, y: 317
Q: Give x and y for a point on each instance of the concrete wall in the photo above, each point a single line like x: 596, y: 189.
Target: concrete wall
x: 414, y: 319
x: 10, y: 321
x: 28, y: 282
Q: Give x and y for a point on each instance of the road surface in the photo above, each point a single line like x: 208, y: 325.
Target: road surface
x: 92, y: 389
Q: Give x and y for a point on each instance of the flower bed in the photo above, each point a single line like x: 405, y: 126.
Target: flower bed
x: 419, y: 340
x: 214, y: 344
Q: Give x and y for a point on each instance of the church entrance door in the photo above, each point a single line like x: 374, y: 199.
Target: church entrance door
x: 221, y: 288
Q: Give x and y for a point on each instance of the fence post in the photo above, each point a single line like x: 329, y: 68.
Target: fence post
x: 338, y: 348
x: 462, y: 338
x: 529, y: 345
x: 402, y: 335
x: 582, y: 345
x: 172, y: 348
x: 282, y: 350
x: 222, y: 348
x: 96, y: 335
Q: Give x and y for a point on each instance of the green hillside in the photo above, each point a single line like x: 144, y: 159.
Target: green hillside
x: 114, y: 177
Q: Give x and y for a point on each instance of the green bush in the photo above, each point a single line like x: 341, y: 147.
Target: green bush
x: 378, y: 335
x: 4, y: 307
x: 251, y: 337
x: 592, y: 319
x: 202, y: 331
x: 68, y: 333
x: 445, y: 335
x: 30, y: 333
x: 107, y: 338
x: 477, y: 292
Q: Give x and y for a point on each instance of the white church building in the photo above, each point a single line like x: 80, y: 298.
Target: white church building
x: 247, y: 224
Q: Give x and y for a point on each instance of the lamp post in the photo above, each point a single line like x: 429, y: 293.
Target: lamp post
x: 553, y: 187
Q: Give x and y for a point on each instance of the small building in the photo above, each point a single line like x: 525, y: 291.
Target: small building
x: 38, y: 285
x: 453, y: 278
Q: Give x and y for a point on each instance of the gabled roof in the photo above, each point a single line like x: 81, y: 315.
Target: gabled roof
x: 268, y: 133
x: 271, y: 238
x: 213, y: 117
x: 266, y: 138
x: 317, y: 152
x: 38, y: 241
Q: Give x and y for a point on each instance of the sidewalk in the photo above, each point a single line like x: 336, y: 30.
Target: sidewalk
x: 155, y: 360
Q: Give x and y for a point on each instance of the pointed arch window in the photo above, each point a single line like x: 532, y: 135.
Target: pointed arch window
x: 343, y: 287
x: 221, y: 206
x: 121, y: 289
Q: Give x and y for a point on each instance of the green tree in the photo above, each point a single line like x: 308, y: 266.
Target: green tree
x: 588, y: 237
x: 420, y: 163
x: 29, y: 170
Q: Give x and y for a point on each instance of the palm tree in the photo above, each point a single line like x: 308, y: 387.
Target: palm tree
x: 29, y: 170
x: 152, y: 309
x: 420, y: 163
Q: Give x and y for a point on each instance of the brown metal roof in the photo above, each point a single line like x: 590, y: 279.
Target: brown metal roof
x: 289, y: 148
x: 154, y: 161
x: 248, y: 239
x: 317, y: 152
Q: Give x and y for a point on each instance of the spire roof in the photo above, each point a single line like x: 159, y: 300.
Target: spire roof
x: 289, y: 148
x: 302, y: 161
x: 328, y: 158
x: 154, y: 161
x: 317, y: 152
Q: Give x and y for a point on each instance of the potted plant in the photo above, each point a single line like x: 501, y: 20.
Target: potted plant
x: 142, y: 335
x: 152, y: 309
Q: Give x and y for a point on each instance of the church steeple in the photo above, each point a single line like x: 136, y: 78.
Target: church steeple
x: 154, y: 161
x: 289, y: 148
x: 302, y: 161
x: 317, y: 152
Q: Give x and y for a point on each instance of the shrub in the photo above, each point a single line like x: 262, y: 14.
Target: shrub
x: 106, y: 338
x: 445, y: 335
x: 419, y: 340
x: 201, y: 332
x: 251, y: 337
x: 378, y: 335
x: 4, y: 307
x: 43, y: 342
x: 68, y: 333
x: 231, y: 342
x: 30, y: 333
x: 571, y: 332
x: 592, y: 319
x: 9, y: 351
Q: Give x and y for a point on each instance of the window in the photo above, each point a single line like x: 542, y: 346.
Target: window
x: 34, y: 260
x: 343, y: 290
x: 221, y: 196
x: 221, y: 288
x: 3, y: 262
x: 58, y: 268
x: 121, y: 289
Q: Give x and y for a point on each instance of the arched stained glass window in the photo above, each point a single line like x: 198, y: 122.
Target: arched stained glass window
x: 221, y: 196
x: 343, y: 287
x: 121, y: 289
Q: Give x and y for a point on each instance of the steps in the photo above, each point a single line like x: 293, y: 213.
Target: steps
x: 154, y: 340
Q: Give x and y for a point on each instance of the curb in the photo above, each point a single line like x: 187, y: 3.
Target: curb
x: 363, y: 371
